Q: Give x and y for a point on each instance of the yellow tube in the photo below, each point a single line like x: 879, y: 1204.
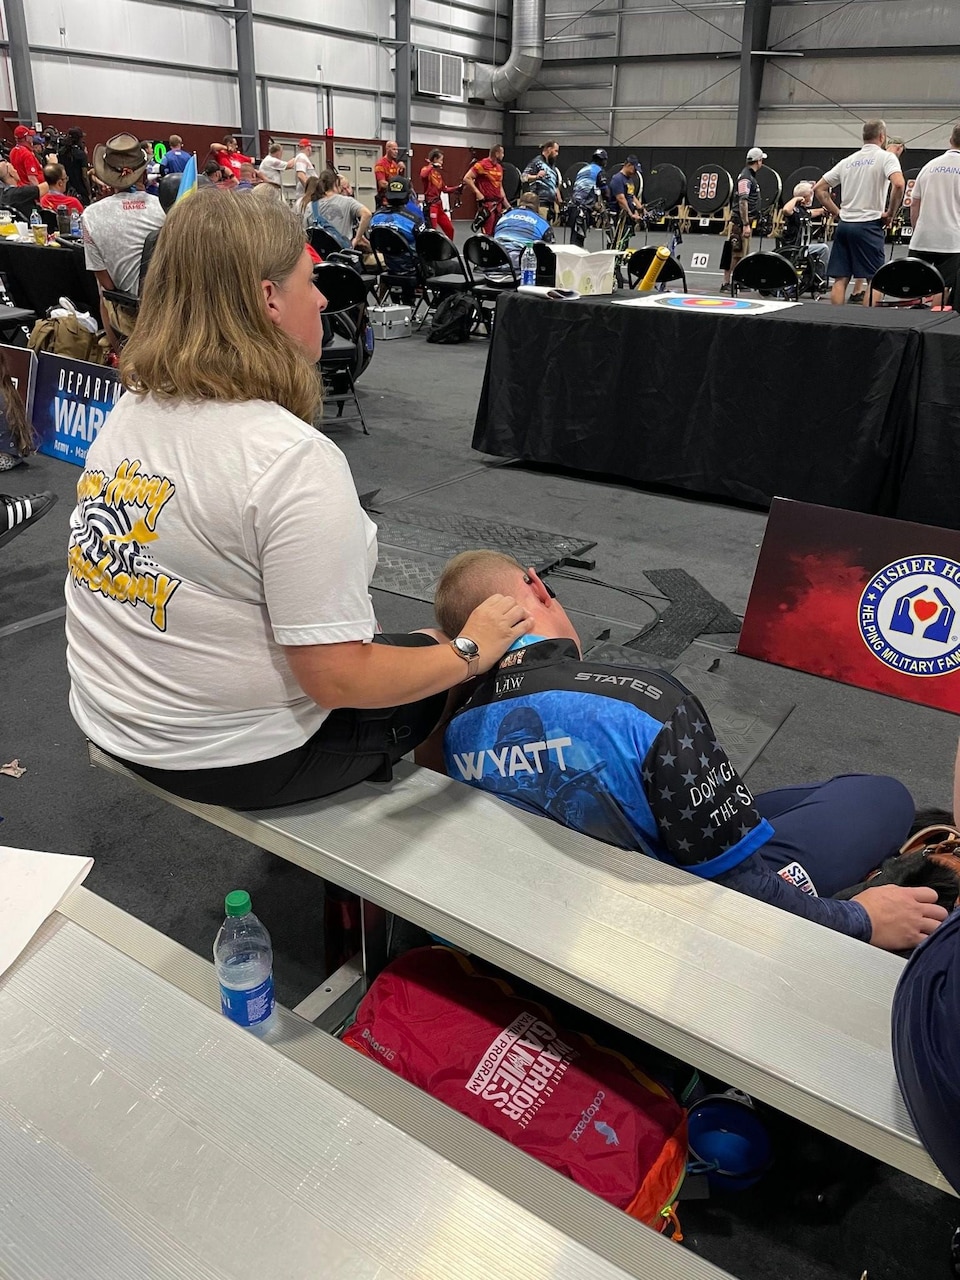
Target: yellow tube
x: 654, y: 269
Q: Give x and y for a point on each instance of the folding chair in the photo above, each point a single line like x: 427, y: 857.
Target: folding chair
x: 767, y: 273
x: 344, y: 350
x: 388, y: 244
x: 639, y: 262
x: 442, y: 270
x: 907, y: 279
x: 490, y: 272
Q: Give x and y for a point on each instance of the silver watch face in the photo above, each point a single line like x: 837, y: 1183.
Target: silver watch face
x: 466, y: 648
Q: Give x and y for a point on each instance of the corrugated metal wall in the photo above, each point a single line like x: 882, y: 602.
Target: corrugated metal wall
x: 808, y: 101
x: 153, y: 59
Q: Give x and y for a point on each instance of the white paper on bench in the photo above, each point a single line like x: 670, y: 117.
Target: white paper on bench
x: 32, y: 886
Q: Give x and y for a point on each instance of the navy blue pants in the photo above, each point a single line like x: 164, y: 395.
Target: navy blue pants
x: 839, y: 831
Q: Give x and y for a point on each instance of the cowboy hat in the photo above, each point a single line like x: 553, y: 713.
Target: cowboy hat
x: 120, y: 162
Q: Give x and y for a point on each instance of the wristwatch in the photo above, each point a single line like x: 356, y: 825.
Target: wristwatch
x: 469, y: 651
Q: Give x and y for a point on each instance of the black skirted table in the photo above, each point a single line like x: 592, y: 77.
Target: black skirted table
x: 813, y: 402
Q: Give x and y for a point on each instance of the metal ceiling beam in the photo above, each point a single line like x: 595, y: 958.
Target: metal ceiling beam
x: 403, y: 74
x: 856, y: 51
x: 20, y: 61
x: 754, y: 35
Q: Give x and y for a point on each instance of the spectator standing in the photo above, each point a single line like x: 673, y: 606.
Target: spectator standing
x: 273, y: 164
x: 73, y: 156
x: 858, y: 242
x: 746, y: 207
x: 176, y: 159
x: 935, y: 214
x: 55, y: 176
x: 896, y: 147
x: 388, y: 167
x: 115, y: 229
x: 431, y: 175
x: 23, y: 157
x: 303, y: 163
x: 543, y: 178
x: 228, y: 155
x: 485, y: 180
x: 521, y: 226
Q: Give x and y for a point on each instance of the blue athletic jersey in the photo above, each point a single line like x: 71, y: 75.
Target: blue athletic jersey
x: 587, y: 183
x: 621, y: 185
x: 519, y: 227
x: 547, y: 182
x: 627, y: 757
x: 406, y: 220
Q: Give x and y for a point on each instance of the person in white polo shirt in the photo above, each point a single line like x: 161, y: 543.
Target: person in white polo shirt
x: 935, y: 213
x: 858, y: 242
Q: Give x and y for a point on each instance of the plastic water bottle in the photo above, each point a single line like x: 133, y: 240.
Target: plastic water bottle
x: 528, y: 266
x: 37, y: 229
x: 75, y: 223
x: 243, y: 955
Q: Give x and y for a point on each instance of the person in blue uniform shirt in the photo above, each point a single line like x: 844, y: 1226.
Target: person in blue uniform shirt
x: 405, y: 216
x: 520, y: 226
x: 589, y: 186
x: 630, y: 757
x: 626, y: 193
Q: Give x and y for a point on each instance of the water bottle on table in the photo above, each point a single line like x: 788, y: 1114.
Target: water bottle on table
x: 528, y: 266
x: 243, y: 955
x: 75, y: 224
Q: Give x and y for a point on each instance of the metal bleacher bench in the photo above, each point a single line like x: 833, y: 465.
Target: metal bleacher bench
x: 790, y: 1012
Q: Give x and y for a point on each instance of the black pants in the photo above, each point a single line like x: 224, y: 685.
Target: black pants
x: 948, y: 264
x: 349, y: 747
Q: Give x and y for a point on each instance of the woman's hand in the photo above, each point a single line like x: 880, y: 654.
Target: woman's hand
x: 494, y: 626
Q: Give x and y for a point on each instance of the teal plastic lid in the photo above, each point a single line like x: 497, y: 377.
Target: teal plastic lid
x: 237, y: 903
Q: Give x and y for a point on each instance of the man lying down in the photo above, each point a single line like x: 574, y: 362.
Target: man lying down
x: 630, y: 757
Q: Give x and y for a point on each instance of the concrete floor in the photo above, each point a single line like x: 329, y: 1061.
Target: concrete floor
x: 172, y: 870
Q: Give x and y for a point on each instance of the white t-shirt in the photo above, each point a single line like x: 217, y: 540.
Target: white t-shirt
x: 205, y: 537
x: 114, y: 233
x: 863, y: 179
x: 938, y: 189
x: 304, y: 164
x: 271, y: 167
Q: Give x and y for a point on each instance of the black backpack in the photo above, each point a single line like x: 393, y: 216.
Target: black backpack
x: 454, y: 319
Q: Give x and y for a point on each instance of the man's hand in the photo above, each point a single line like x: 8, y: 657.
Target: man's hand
x: 494, y: 626
x: 900, y: 917
x: 402, y: 169
x: 746, y: 231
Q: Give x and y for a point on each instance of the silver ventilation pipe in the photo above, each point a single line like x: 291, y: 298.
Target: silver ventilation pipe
x: 506, y: 83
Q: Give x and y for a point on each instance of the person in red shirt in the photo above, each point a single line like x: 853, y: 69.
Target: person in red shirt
x: 388, y: 167
x: 23, y: 158
x: 228, y: 157
x: 485, y: 180
x: 55, y: 176
x: 431, y: 175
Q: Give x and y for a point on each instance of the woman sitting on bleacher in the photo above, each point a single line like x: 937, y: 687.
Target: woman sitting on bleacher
x: 219, y: 621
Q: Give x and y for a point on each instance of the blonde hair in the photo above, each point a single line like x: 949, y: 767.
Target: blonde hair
x: 803, y: 189
x: 467, y: 580
x: 203, y: 332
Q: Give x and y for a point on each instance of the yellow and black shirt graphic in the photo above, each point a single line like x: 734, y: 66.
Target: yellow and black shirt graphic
x: 113, y: 526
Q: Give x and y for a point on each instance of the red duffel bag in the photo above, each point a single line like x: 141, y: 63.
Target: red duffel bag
x: 471, y: 1042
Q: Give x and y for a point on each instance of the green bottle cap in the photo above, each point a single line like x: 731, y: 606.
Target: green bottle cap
x: 237, y: 903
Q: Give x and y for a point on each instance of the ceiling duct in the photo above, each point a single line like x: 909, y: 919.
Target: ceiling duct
x: 506, y: 83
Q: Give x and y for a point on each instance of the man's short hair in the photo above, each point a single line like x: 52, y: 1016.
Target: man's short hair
x: 873, y: 129
x: 955, y: 136
x: 175, y: 140
x: 228, y: 138
x: 896, y: 142
x: 467, y: 580
x: 529, y: 200
x: 276, y: 148
x: 547, y: 145
x: 52, y: 174
x: 434, y: 154
x: 247, y: 172
x: 497, y: 146
x: 210, y: 168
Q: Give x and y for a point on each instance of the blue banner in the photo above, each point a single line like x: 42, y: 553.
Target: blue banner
x: 71, y: 404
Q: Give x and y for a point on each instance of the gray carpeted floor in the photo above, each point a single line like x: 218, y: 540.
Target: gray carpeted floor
x: 172, y: 871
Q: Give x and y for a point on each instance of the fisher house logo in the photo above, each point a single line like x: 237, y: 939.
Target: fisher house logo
x: 908, y: 615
